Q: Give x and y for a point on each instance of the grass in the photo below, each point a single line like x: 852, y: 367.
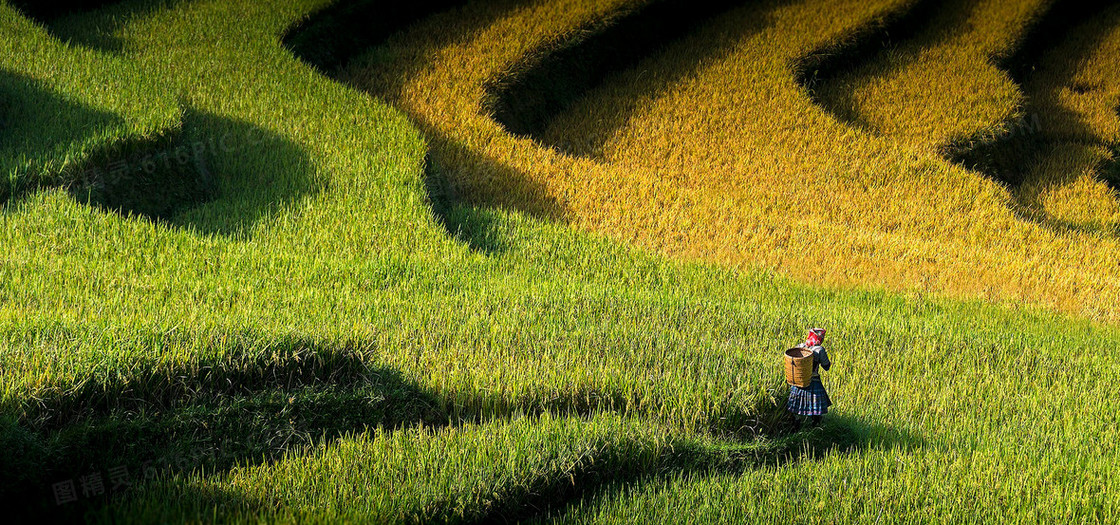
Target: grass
x: 321, y: 340
x: 680, y: 165
x: 943, y: 85
x: 1072, y: 138
x: 1048, y: 138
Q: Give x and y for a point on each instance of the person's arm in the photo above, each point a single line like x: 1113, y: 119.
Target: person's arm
x: 822, y: 357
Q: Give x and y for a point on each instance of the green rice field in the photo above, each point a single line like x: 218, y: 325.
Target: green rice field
x: 315, y: 261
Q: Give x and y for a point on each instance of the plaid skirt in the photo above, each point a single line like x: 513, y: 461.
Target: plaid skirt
x: 811, y: 401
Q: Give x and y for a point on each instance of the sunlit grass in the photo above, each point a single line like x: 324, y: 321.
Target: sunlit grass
x: 737, y: 164
x: 1077, y: 130
x: 322, y: 343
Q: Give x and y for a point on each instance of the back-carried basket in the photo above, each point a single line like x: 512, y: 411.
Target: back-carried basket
x: 799, y: 367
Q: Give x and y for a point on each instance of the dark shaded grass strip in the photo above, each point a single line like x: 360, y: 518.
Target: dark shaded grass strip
x: 47, y: 10
x: 257, y: 399
x: 862, y: 46
x: 251, y: 405
x: 1059, y: 22
x: 91, y: 23
x: 529, y: 98
x: 331, y: 37
x: 1009, y: 157
x: 202, y: 160
x: 616, y: 469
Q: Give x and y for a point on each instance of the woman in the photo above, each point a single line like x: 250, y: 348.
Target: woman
x: 813, y: 400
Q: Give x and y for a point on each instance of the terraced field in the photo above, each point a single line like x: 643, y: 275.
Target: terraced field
x: 535, y: 260
x: 685, y: 154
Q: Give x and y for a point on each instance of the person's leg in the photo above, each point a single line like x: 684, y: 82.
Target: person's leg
x: 793, y: 406
x: 817, y: 420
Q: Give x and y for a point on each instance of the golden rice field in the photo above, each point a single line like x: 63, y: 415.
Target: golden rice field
x: 738, y: 163
x: 478, y: 261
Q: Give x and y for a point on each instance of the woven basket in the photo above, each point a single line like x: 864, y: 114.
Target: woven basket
x: 799, y: 367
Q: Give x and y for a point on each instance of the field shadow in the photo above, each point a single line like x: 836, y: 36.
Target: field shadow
x: 555, y: 80
x: 617, y: 471
x: 38, y: 126
x: 155, y: 178
x: 331, y: 37
x: 859, y: 50
x: 193, y: 504
x: 901, y: 31
x: 210, y: 174
x: 249, y: 406
x: 1005, y: 156
x: 453, y: 201
x: 48, y: 11
x: 1032, y: 141
x: 259, y: 398
x: 90, y: 23
x: 1060, y: 20
x: 256, y: 172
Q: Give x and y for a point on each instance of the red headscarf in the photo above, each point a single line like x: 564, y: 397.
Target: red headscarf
x: 815, y: 337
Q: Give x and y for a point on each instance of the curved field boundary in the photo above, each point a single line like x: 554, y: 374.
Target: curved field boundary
x: 43, y: 133
x: 527, y: 101
x: 90, y: 23
x: 1059, y: 23
x: 52, y: 10
x: 154, y: 177
x: 557, y: 463
x: 329, y: 38
x: 1008, y: 148
x: 95, y: 304
x: 942, y: 87
x: 707, y: 169
x: 1061, y: 158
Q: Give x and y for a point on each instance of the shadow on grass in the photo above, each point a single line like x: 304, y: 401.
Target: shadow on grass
x: 551, y: 494
x: 1059, y: 22
x: 615, y: 471
x: 1028, y: 144
x: 330, y: 38
x: 1010, y: 155
x: 47, y: 11
x: 41, y: 130
x: 90, y: 23
x: 481, y: 229
x: 552, y: 81
x: 860, y: 49
x: 257, y: 399
x: 454, y: 206
x: 249, y: 406
x: 211, y: 174
x: 257, y: 173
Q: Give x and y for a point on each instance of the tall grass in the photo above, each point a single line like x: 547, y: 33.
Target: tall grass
x: 704, y: 167
x: 1073, y: 96
x: 320, y: 343
x: 942, y: 86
